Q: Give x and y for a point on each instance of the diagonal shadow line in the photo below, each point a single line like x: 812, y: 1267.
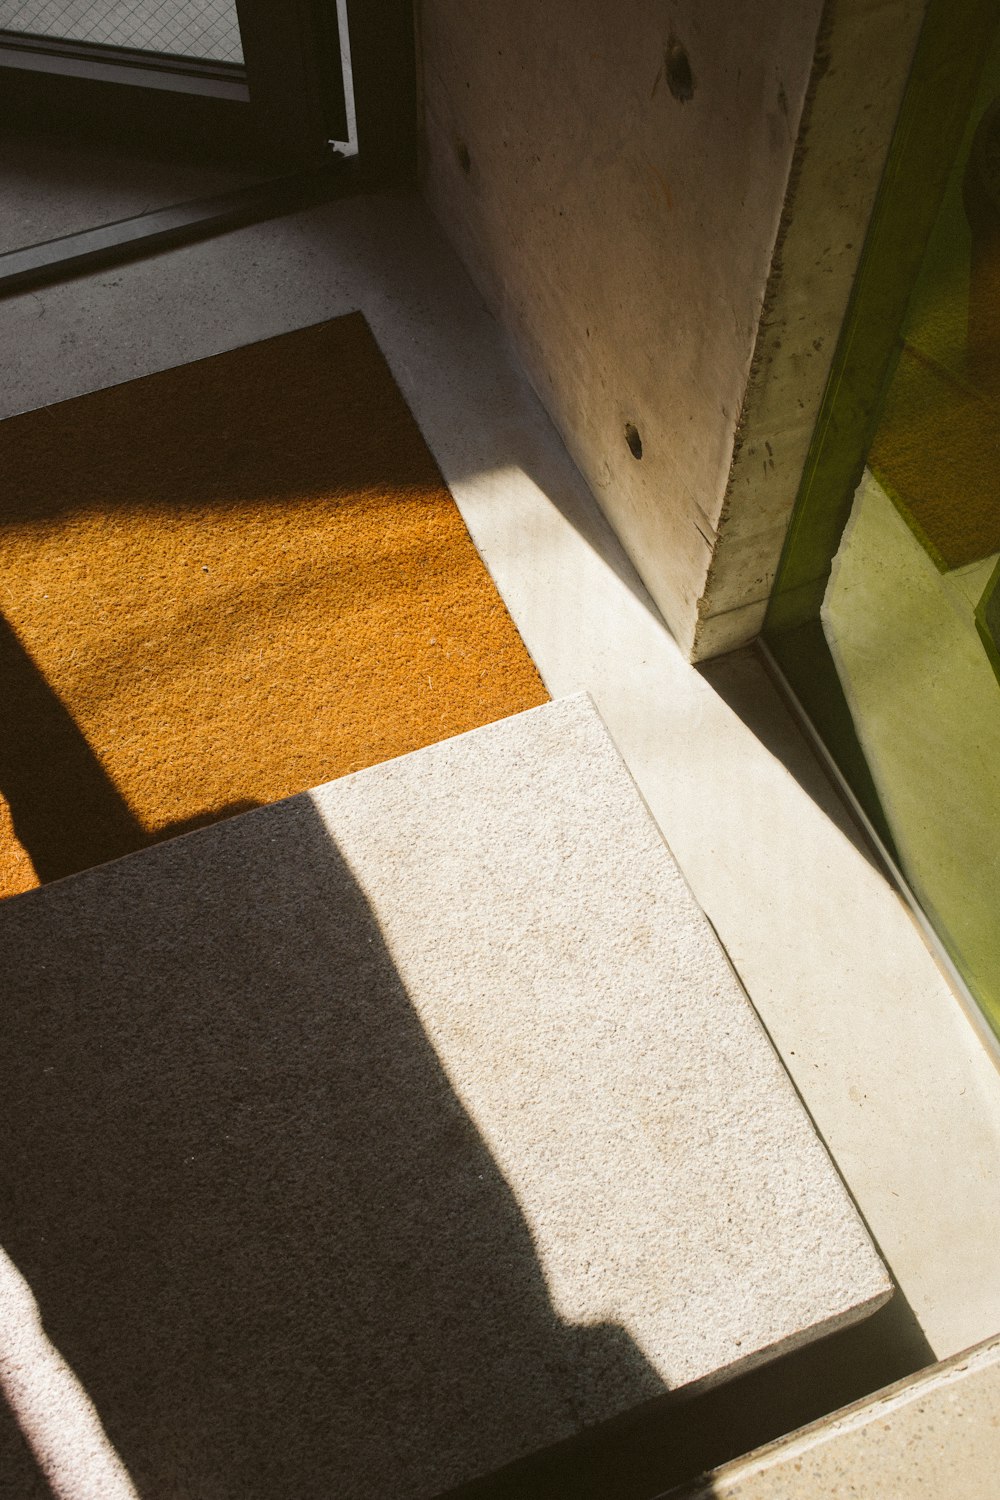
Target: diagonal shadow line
x: 51, y: 1439
x: 304, y: 425
x: 258, y: 1221
x: 66, y: 811
x: 217, y: 438
x: 310, y: 415
x: 745, y: 684
x: 20, y: 1475
x: 679, y: 1438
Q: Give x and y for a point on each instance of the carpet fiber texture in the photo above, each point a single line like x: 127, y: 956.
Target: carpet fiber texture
x: 225, y: 583
x: 363, y: 1144
x: 935, y: 454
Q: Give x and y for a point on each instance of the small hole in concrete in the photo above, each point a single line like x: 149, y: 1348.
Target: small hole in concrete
x: 677, y: 66
x: 464, y: 159
x: 633, y: 439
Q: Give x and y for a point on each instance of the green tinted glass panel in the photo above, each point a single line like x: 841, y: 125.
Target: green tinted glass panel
x: 988, y: 620
x: 889, y: 583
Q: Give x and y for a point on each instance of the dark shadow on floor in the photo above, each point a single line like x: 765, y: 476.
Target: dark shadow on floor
x: 545, y: 458
x: 259, y: 1224
x: 67, y: 813
x: 675, y: 1438
x: 20, y: 1476
x: 56, y: 185
x: 743, y: 682
x: 311, y: 414
x: 346, y: 616
x: 249, y: 427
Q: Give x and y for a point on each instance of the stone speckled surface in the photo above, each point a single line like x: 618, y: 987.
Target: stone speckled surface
x: 367, y: 1140
x: 936, y: 1434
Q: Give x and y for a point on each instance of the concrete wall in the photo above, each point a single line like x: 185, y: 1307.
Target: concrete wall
x: 861, y: 68
x: 615, y: 178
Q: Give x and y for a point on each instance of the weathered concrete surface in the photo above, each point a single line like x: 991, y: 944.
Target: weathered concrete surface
x: 936, y: 1434
x: 859, y: 76
x: 621, y: 226
x: 362, y: 1142
x: 624, y: 233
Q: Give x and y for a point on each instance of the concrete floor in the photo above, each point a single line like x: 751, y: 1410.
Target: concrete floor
x: 876, y: 1043
x: 934, y: 1434
x: 53, y: 188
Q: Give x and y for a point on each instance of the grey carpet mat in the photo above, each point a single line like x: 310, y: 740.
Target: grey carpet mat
x: 366, y: 1141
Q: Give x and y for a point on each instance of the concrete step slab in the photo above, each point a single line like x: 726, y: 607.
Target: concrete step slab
x: 369, y: 1140
x: 935, y: 1434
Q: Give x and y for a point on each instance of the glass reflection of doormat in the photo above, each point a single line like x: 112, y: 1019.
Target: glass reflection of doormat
x: 988, y: 620
x: 223, y: 584
x: 937, y: 455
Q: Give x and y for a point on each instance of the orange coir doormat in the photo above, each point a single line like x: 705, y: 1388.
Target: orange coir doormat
x: 221, y: 585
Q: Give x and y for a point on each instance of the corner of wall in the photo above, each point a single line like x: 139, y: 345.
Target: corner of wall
x: 859, y: 74
x: 666, y: 220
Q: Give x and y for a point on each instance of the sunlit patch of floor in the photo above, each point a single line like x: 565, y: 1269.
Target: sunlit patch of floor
x: 926, y: 706
x: 55, y: 1414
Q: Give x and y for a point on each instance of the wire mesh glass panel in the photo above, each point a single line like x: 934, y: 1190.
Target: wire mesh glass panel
x: 204, y: 29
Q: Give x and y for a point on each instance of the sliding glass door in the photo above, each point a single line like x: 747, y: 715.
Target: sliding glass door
x: 885, y: 620
x: 204, y: 29
x: 221, y: 79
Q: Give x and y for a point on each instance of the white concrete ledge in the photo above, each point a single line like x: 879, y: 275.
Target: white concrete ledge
x: 937, y: 1433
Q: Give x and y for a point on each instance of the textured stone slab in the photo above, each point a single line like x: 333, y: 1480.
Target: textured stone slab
x: 368, y: 1140
x: 936, y: 1434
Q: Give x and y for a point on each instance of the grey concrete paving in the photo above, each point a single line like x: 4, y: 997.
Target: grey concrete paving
x: 53, y: 187
x: 935, y: 1435
x: 363, y: 1142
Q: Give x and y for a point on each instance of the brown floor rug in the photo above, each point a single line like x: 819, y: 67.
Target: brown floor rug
x: 223, y: 584
x: 937, y: 454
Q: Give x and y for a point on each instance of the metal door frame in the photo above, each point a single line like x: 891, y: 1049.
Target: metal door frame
x: 281, y: 110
